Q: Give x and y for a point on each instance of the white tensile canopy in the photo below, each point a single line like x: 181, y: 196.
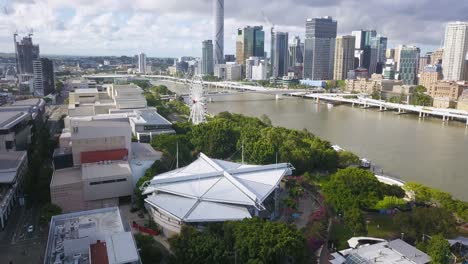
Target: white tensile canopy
x: 210, y: 190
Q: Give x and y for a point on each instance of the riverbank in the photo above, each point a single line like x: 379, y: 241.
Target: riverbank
x: 421, y: 150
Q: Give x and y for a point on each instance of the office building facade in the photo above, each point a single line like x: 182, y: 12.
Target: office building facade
x: 207, y: 58
x: 455, y: 51
x: 319, y: 48
x: 279, y: 54
x: 407, y: 66
x: 250, y: 42
x: 44, y: 80
x: 218, y: 30
x: 344, y: 56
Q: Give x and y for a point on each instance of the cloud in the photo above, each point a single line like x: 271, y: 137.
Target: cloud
x: 174, y: 28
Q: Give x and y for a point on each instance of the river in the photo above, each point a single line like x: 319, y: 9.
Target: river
x: 425, y: 151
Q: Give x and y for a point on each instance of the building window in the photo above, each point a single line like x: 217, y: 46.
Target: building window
x: 108, y: 181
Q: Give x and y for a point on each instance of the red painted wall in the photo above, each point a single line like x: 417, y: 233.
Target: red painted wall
x: 96, y: 156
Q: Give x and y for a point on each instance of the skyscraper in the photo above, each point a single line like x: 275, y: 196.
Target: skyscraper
x: 344, y: 56
x: 142, y: 63
x: 455, y: 51
x: 26, y: 53
x: 296, y: 52
x: 218, y: 17
x: 207, y: 57
x: 250, y: 42
x: 44, y: 80
x: 279, y: 54
x: 379, y: 43
x: 408, y: 59
x: 319, y: 48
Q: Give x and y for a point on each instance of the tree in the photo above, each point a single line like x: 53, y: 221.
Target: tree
x: 266, y: 120
x: 439, y: 250
x: 356, y: 221
x: 148, y: 251
x: 353, y: 187
x: 268, y: 242
x: 47, y: 211
x: 420, y: 97
x: 247, y: 241
x: 390, y: 202
x: 346, y: 159
x: 59, y: 87
x: 216, y: 139
x: 429, y: 221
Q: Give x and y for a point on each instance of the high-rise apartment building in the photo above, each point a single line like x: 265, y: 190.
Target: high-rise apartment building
x: 319, y: 48
x: 218, y: 17
x: 455, y: 51
x: 279, y: 54
x: 250, y: 42
x: 344, y: 56
x: 26, y: 52
x: 142, y: 63
x: 407, y: 66
x: 44, y: 80
x: 207, y: 57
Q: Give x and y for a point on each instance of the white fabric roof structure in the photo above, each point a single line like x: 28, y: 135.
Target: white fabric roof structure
x: 211, y: 190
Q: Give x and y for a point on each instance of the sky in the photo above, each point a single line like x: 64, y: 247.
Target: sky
x: 173, y: 28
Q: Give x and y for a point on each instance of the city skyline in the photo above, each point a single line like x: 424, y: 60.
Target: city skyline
x: 125, y: 28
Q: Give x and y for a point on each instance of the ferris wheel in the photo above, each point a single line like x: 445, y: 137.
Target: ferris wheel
x: 197, y: 101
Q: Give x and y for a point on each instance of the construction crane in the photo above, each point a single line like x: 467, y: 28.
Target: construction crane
x: 268, y: 22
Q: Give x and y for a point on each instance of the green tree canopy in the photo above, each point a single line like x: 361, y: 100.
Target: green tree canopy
x: 346, y: 159
x: 439, y: 250
x: 429, y: 221
x: 353, y: 187
x: 356, y: 221
x: 390, y: 202
x: 248, y: 241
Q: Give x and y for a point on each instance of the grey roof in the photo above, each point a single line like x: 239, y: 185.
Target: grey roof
x: 460, y: 240
x: 410, y: 252
x: 9, y: 119
x: 150, y: 117
x: 9, y: 164
x: 11, y: 159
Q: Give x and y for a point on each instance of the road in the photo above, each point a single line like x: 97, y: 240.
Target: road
x: 16, y: 244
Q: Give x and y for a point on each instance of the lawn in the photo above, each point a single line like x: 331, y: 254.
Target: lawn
x: 382, y: 226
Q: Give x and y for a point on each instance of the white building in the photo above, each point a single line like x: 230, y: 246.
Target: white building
x: 259, y: 71
x: 38, y: 78
x: 229, y: 71
x: 210, y: 190
x: 142, y: 63
x: 97, y: 236
x: 455, y: 51
x: 396, y: 251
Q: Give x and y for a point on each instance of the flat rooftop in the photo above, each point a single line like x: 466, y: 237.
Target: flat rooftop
x: 66, y: 176
x: 150, y: 116
x: 105, y: 169
x: 73, y: 235
x: 143, y: 151
x: 11, y: 118
x: 9, y: 164
x: 86, y: 91
x: 97, y: 129
x: 396, y: 251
